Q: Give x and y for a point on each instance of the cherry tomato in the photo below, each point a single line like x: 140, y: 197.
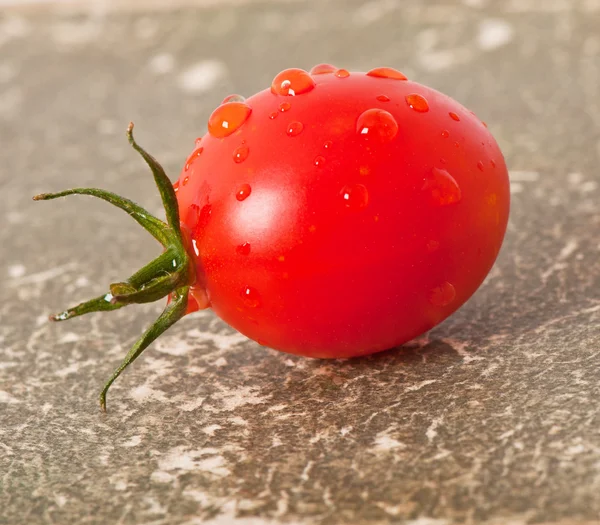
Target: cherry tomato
x: 342, y: 214
x: 334, y: 214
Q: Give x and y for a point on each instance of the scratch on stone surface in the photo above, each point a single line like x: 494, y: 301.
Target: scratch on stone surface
x: 418, y: 386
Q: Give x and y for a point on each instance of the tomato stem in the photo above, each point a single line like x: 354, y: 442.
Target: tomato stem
x: 171, y: 273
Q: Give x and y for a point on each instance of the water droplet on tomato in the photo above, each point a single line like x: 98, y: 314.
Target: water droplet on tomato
x: 233, y: 98
x: 445, y: 133
x: 198, y: 140
x: 480, y: 165
x: 322, y: 69
x: 292, y: 82
x: 484, y: 124
x: 442, y: 188
x: 250, y: 297
x: 355, y: 196
x: 454, y: 116
x: 185, y: 181
x: 284, y: 106
x: 273, y: 115
x: 198, y: 152
x: 328, y: 144
x: 319, y: 160
x: 417, y: 102
x: 383, y: 98
x: 243, y: 249
x: 187, y: 166
x: 377, y: 124
x: 243, y: 192
x: 240, y: 154
x: 493, y: 163
x: 294, y: 129
x: 386, y: 72
x: 342, y: 73
x: 442, y: 295
x: 228, y: 118
x: 176, y: 186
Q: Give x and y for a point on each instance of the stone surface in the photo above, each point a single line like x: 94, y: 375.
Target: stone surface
x: 493, y: 417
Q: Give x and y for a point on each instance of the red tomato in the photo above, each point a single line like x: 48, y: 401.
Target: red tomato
x: 339, y: 214
x: 335, y: 214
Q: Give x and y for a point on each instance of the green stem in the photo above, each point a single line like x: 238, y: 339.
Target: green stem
x: 169, y: 273
x: 171, y: 314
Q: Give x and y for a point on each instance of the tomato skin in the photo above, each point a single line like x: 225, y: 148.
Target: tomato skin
x: 327, y: 240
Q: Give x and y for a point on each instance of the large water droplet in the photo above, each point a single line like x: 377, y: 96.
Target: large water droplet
x: 417, y: 102
x: 243, y: 192
x: 233, y: 98
x: 383, y: 98
x: 442, y: 295
x: 240, y: 154
x: 386, y: 72
x: 454, y: 116
x: 342, y: 73
x: 243, y: 249
x: 355, y: 196
x: 377, y: 124
x: 322, y: 69
x: 250, y: 297
x: 273, y: 115
x: 442, y: 188
x: 480, y: 165
x: 227, y: 118
x: 292, y: 82
x: 284, y: 106
x: 294, y: 129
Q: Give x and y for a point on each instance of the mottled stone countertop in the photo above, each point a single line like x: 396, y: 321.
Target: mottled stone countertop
x: 493, y: 417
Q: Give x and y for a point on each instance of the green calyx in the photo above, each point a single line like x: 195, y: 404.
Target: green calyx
x: 170, y: 273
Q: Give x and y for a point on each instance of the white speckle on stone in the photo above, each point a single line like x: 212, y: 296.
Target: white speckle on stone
x: 494, y: 33
x: 568, y: 249
x: 523, y: 176
x: 173, y: 346
x: 575, y: 178
x: 344, y: 431
x: 60, y: 500
x: 144, y: 393
x: 41, y: 277
x: 69, y: 337
x: 231, y: 399
x: 516, y: 187
x: 202, y: 76
x: 478, y: 4
x: 193, y: 404
x: 180, y: 460
x: 384, y: 442
x: 289, y: 362
x: 46, y: 407
x: 16, y: 270
x: 211, y: 429
x: 6, y: 398
x: 107, y: 126
x: 80, y: 282
x: 13, y: 26
x: 221, y: 362
x: 134, y: 441
x: 162, y: 477
x: 372, y: 11
x: 418, y: 386
x: 162, y: 63
x: 589, y: 186
x: 431, y: 432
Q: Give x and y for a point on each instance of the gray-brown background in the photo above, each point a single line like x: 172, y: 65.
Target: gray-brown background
x: 493, y: 417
